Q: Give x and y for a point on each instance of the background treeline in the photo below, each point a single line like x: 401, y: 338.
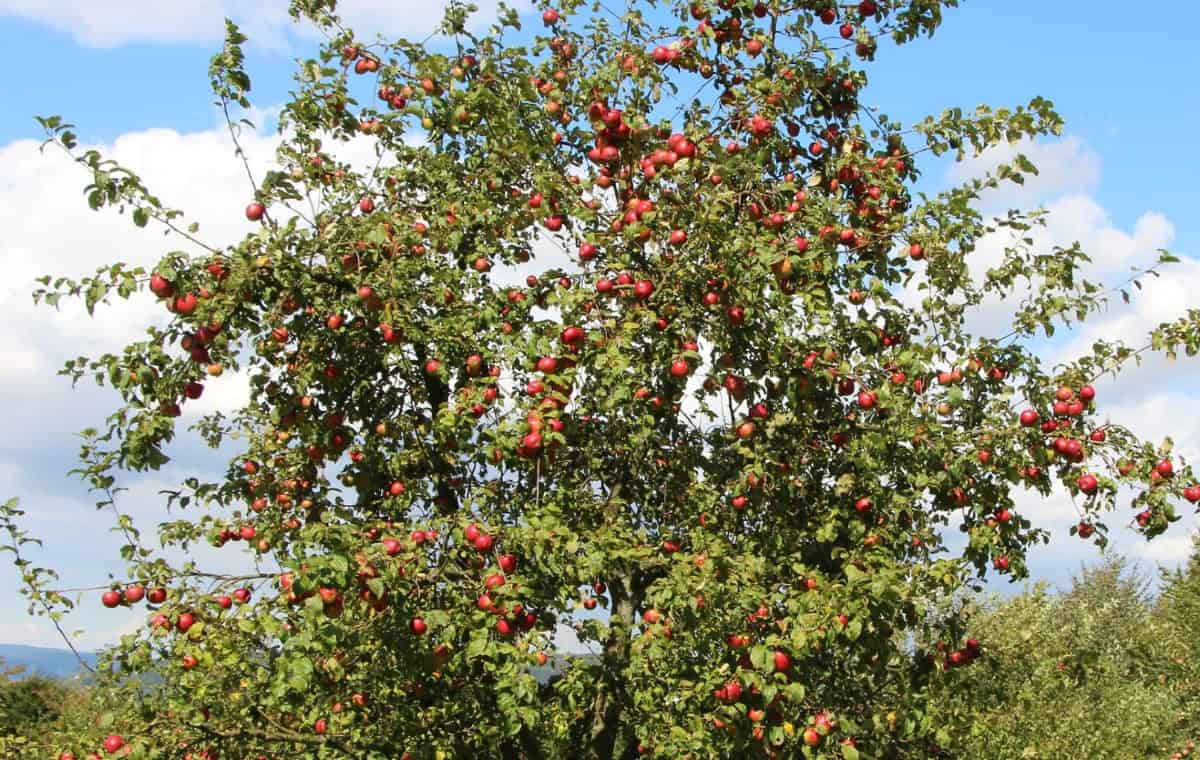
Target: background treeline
x: 1108, y: 669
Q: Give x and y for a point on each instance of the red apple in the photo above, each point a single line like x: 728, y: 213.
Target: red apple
x: 161, y: 286
x: 484, y: 543
x: 783, y: 663
x: 1088, y: 483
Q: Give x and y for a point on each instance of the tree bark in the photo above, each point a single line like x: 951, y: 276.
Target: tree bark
x: 609, y: 703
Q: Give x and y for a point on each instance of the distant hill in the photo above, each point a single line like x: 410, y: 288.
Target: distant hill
x: 43, y: 661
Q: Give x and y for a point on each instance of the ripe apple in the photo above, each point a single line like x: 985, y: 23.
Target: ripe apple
x: 549, y: 17
x: 185, y: 304
x: 135, y: 593
x: 417, y: 626
x: 1029, y: 418
x: 161, y: 286
x: 572, y: 335
x: 532, y: 442
x: 783, y: 663
x: 111, y: 598
x: 113, y: 743
x: 329, y: 595
x: 255, y: 211
x: 1088, y: 483
x: 156, y: 595
x: 508, y: 562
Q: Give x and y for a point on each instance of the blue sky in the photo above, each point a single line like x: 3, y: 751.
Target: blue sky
x: 135, y: 80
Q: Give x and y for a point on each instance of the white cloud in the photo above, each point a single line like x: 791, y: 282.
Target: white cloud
x: 267, y: 23
x: 1069, y: 173
x: 50, y: 230
x: 1064, y: 166
x: 1168, y: 550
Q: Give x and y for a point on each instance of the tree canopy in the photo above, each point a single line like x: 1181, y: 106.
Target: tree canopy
x: 735, y: 404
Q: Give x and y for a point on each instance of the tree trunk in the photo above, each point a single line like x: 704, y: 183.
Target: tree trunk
x: 609, y: 705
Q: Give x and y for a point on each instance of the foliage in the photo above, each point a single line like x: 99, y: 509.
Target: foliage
x: 33, y: 708
x: 724, y: 422
x: 27, y: 702
x: 1093, y: 672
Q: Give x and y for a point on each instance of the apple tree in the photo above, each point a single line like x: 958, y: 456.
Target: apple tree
x: 634, y: 330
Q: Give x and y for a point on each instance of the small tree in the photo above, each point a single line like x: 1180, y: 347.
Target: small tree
x: 716, y: 417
